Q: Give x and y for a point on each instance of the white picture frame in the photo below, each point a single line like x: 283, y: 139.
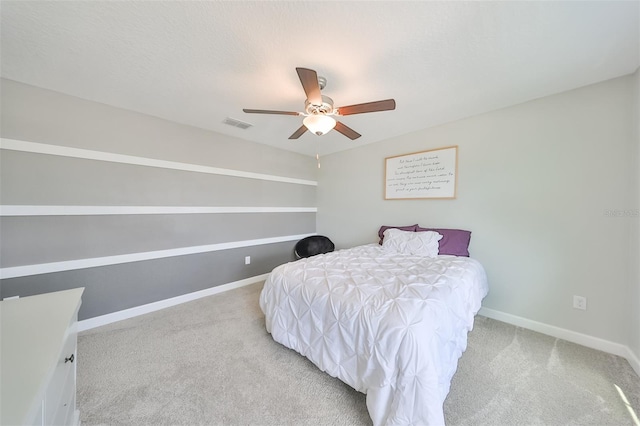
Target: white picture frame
x: 425, y: 174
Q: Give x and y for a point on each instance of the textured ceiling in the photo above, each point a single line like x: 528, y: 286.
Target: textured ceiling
x: 199, y: 62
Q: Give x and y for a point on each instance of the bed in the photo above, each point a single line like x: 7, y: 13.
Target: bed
x: 390, y: 322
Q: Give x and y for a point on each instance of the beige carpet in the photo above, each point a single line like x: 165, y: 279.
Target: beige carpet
x: 211, y: 362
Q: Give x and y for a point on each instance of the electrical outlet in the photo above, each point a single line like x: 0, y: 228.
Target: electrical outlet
x: 247, y: 260
x: 580, y: 302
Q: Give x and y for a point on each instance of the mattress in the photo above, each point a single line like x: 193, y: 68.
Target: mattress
x: 390, y: 325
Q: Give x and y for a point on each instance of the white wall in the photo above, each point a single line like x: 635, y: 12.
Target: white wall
x: 635, y: 234
x: 534, y: 184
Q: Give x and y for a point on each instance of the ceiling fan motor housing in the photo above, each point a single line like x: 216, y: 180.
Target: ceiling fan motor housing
x: 325, y: 108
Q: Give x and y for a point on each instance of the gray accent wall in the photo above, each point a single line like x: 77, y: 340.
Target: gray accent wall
x: 33, y: 114
x: 41, y: 239
x: 117, y: 287
x: 54, y: 180
x: 30, y: 179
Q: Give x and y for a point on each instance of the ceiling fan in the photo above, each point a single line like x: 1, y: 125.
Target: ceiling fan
x: 319, y: 109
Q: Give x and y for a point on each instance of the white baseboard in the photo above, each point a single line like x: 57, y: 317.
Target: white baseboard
x: 634, y: 361
x: 568, y: 335
x: 161, y: 304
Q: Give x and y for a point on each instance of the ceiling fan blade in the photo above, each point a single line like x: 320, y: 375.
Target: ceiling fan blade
x: 268, y: 111
x: 347, y: 131
x: 386, y: 105
x: 309, y: 80
x: 298, y: 132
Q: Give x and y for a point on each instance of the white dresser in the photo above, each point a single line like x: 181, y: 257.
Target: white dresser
x: 38, y: 339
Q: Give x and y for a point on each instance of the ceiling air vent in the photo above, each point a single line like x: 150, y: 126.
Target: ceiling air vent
x: 236, y: 123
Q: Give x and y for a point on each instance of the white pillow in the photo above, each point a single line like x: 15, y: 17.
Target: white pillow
x: 407, y: 242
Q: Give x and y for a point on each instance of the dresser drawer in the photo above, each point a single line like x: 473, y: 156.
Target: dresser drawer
x: 58, y: 397
x: 66, y: 407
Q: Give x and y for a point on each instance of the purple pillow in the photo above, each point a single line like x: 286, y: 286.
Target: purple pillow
x: 412, y: 228
x: 454, y: 241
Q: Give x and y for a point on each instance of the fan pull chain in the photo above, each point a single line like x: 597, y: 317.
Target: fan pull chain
x: 318, y: 159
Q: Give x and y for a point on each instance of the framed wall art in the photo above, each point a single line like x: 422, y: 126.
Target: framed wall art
x: 425, y: 174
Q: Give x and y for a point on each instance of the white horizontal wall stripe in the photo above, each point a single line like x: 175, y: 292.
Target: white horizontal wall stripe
x: 69, y: 265
x: 23, y: 210
x: 63, y: 151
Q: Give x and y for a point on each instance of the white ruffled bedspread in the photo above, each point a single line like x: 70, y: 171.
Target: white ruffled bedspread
x: 390, y: 325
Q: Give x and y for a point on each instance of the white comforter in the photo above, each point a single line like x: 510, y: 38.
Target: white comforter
x: 390, y: 325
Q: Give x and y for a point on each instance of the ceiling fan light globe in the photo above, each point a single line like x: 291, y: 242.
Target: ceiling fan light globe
x: 319, y: 124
